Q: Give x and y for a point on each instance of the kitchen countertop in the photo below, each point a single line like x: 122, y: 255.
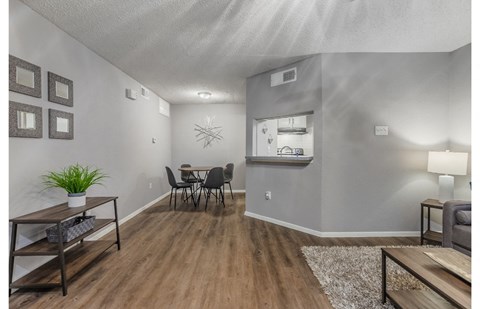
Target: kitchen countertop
x: 280, y: 159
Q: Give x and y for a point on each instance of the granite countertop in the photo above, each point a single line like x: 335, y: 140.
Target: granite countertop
x: 280, y: 159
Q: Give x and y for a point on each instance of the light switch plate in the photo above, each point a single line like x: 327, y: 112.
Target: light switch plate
x: 381, y: 130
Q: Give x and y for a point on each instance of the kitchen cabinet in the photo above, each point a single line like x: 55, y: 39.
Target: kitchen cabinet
x: 293, y: 122
x: 284, y: 122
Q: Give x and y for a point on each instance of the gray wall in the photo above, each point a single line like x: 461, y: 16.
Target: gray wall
x: 111, y: 132
x: 186, y: 149
x: 459, y: 111
x: 296, y: 190
x: 358, y: 182
x: 375, y: 183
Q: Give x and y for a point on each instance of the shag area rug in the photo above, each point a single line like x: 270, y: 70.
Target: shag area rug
x: 352, y: 276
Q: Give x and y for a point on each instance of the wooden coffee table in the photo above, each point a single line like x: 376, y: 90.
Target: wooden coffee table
x: 451, y: 291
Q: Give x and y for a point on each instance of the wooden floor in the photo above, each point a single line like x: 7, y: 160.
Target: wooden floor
x: 195, y: 259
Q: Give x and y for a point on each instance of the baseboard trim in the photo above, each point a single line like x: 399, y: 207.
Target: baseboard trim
x: 236, y: 191
x: 373, y: 234
x: 333, y: 234
x: 111, y: 227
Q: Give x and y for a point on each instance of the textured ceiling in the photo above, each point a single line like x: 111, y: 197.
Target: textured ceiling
x: 179, y: 47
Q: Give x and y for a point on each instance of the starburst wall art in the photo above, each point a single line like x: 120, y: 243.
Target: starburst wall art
x: 208, y: 133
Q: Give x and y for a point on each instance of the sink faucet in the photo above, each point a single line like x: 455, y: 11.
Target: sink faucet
x: 286, y: 147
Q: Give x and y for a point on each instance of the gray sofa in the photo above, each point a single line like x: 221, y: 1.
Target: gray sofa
x: 457, y: 228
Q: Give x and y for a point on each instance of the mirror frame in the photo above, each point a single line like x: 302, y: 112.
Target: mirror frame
x: 52, y: 124
x: 14, y: 130
x: 52, y: 89
x: 15, y: 62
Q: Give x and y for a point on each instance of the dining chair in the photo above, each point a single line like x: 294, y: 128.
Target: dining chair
x: 228, y: 177
x: 177, y: 185
x: 188, y: 177
x: 215, y: 181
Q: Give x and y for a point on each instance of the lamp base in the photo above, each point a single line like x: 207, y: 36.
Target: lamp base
x: 445, y: 190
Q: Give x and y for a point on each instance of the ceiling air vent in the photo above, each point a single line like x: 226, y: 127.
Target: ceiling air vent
x: 283, y: 77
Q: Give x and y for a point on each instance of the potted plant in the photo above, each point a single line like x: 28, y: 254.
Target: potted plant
x: 75, y: 179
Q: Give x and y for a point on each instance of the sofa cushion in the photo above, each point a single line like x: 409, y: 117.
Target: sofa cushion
x: 462, y: 235
x: 464, y: 217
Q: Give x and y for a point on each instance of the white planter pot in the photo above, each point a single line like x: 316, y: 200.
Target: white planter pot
x: 77, y: 199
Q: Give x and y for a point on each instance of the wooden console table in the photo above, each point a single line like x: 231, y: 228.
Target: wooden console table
x: 429, y: 235
x: 58, y: 271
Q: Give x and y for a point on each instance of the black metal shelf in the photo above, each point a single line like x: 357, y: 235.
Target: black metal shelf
x: 81, y: 253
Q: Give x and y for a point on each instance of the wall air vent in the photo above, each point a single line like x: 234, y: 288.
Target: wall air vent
x: 145, y: 93
x: 283, y: 77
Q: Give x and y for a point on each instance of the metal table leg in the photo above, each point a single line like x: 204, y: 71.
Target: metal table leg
x: 428, y: 219
x: 84, y: 214
x: 12, y: 257
x: 384, y: 278
x: 61, y: 257
x: 421, y: 225
x: 116, y: 223
x: 198, y: 188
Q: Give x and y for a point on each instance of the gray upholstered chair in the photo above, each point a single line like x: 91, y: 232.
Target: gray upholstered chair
x: 457, y: 228
x: 228, y: 176
x: 177, y: 185
x: 215, y: 181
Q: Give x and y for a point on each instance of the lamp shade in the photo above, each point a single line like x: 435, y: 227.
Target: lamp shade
x: 445, y: 162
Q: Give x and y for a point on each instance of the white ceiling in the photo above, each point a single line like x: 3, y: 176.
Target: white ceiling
x: 180, y: 47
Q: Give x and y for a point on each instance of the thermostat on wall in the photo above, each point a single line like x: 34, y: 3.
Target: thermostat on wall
x: 131, y: 94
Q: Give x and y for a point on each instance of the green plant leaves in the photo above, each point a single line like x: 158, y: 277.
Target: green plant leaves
x: 74, y: 179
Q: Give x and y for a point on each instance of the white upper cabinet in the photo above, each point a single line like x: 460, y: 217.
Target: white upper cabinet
x: 293, y: 122
x: 284, y: 122
x: 299, y: 122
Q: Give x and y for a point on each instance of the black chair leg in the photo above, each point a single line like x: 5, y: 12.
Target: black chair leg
x: 175, y: 205
x: 231, y: 192
x: 171, y: 195
x: 208, y: 196
x: 222, y: 197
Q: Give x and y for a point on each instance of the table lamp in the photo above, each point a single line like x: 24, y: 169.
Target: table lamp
x: 447, y: 163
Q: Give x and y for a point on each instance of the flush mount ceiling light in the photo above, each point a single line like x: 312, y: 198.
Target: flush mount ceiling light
x: 204, y: 94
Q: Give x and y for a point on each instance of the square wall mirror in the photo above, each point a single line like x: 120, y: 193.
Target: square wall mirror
x: 24, y: 77
x: 25, y: 120
x: 60, y: 89
x: 60, y: 124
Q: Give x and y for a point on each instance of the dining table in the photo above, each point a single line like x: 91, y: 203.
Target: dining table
x: 192, y: 170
